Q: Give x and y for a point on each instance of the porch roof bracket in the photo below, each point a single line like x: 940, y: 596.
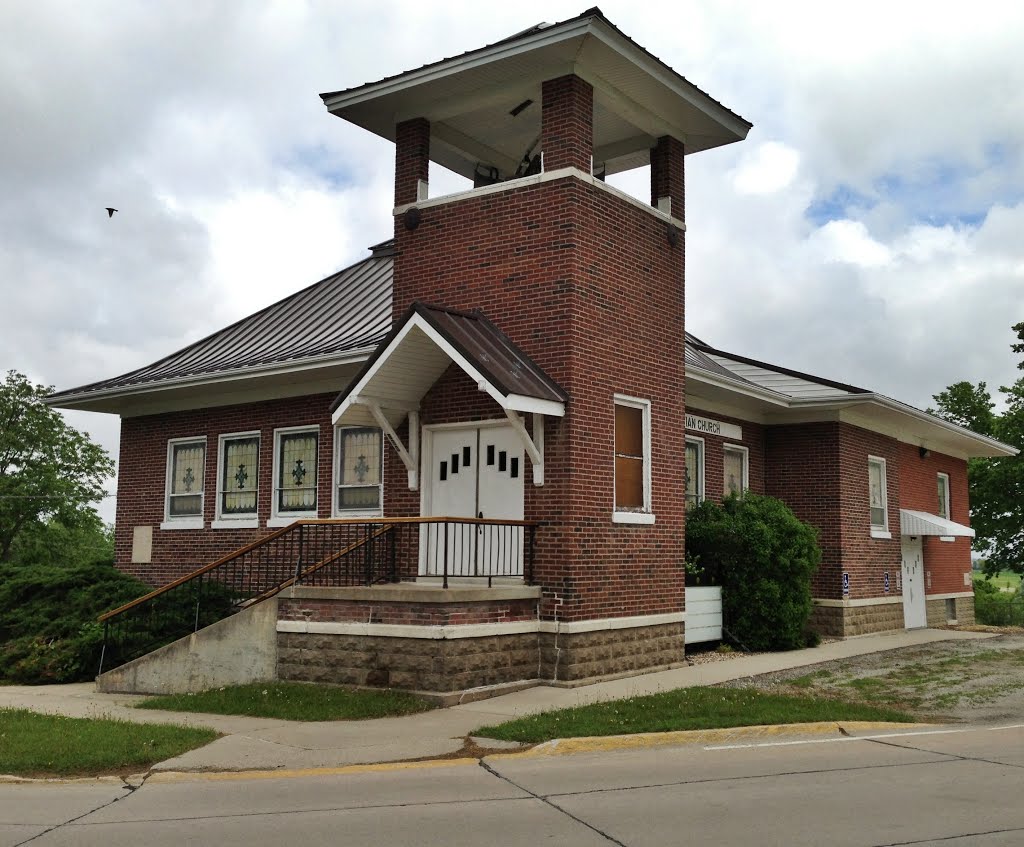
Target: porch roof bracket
x: 410, y: 457
x: 534, y: 446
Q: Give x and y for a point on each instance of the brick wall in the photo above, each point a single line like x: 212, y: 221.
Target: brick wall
x: 143, y: 470
x: 945, y: 562
x: 590, y: 287
x: 714, y: 468
x: 821, y: 471
x: 802, y: 469
x: 867, y: 559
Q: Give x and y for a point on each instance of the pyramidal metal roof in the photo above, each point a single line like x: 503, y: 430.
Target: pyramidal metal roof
x: 345, y: 314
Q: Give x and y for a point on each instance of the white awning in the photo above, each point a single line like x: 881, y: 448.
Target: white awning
x: 924, y: 523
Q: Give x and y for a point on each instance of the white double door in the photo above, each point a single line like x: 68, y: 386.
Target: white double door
x: 476, y: 471
x: 915, y: 610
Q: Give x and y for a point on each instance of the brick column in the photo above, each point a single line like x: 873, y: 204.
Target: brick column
x: 667, y: 176
x: 412, y: 159
x: 567, y: 123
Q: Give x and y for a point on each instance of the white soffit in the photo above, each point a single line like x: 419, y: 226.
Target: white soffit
x: 925, y: 523
x: 404, y: 372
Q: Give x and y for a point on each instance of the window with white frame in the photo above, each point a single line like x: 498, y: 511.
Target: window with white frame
x: 877, y: 495
x: 358, y: 464
x: 632, y: 460
x: 694, y: 471
x: 734, y: 469
x: 186, y: 475
x: 944, y: 496
x: 296, y: 451
x: 238, y: 476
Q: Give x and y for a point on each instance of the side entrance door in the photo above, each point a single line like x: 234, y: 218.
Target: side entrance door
x: 475, y: 472
x: 915, y: 613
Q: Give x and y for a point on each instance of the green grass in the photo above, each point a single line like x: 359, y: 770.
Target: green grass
x: 1004, y: 579
x: 52, y: 745
x: 686, y: 708
x: 293, y: 701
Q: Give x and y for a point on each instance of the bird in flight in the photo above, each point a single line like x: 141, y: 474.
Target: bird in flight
x: 110, y: 212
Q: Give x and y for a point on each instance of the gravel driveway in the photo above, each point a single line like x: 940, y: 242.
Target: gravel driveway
x: 978, y: 681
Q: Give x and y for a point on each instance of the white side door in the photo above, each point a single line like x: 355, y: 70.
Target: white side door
x: 500, y: 496
x: 453, y: 492
x: 915, y: 612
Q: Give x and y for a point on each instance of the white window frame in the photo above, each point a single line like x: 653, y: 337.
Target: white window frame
x: 745, y: 453
x: 336, y: 510
x: 703, y: 476
x: 192, y: 521
x: 879, y: 530
x: 944, y: 478
x: 245, y: 521
x: 276, y: 519
x: 644, y: 515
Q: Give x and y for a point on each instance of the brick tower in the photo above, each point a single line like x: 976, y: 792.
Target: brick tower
x: 584, y: 282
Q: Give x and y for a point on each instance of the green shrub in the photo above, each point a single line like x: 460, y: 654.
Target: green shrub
x: 763, y: 556
x: 48, y: 627
x: 993, y: 607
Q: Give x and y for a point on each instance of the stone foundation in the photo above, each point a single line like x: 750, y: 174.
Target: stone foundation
x: 938, y: 614
x: 575, y: 656
x: 419, y: 664
x: 847, y: 621
x: 424, y: 638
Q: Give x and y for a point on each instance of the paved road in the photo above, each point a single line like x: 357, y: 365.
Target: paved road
x: 951, y: 788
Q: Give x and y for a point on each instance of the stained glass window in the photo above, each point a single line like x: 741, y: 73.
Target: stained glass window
x: 360, y: 454
x: 694, y: 472
x: 734, y: 468
x: 239, y: 476
x: 876, y: 488
x: 296, y: 472
x: 187, y: 471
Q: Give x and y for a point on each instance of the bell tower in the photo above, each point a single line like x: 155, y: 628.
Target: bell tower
x: 586, y: 281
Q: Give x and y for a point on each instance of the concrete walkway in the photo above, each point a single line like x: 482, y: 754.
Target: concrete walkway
x: 269, y: 744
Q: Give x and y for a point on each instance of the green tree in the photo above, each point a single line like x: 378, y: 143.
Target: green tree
x: 51, y: 475
x: 997, y: 484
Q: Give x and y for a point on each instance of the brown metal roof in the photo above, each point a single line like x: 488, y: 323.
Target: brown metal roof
x: 487, y: 348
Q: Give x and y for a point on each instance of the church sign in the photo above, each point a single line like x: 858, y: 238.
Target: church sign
x: 707, y: 426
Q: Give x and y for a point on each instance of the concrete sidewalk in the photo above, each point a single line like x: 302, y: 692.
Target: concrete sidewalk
x: 268, y: 744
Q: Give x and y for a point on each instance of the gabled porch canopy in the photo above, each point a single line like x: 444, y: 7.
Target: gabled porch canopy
x: 925, y: 523
x: 419, y: 350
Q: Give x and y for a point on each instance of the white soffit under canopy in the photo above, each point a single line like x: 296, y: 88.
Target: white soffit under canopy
x: 925, y: 523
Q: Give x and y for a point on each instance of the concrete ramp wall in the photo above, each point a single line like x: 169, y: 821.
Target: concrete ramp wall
x: 234, y: 651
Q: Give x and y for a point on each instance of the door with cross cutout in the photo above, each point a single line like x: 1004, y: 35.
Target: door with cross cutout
x: 475, y: 472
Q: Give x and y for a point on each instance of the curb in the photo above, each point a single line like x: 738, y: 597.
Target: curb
x: 704, y: 737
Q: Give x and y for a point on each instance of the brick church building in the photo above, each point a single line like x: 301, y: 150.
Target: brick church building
x: 504, y: 400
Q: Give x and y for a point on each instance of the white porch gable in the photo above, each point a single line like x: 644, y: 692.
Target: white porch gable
x: 417, y: 353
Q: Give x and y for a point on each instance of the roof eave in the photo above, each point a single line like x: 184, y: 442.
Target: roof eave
x: 86, y: 400
x: 993, y: 447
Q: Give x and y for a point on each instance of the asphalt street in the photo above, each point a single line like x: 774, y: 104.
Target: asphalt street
x: 951, y: 787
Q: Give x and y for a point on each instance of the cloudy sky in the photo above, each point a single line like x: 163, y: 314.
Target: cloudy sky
x: 870, y: 228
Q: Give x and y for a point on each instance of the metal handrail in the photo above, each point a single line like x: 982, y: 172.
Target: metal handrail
x: 263, y: 568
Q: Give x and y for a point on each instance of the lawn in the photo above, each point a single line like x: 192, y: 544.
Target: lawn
x: 1008, y: 580
x: 686, y: 708
x: 294, y: 701
x: 32, y: 744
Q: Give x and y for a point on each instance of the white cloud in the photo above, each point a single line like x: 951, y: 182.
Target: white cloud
x: 871, y: 218
x: 770, y: 167
x: 850, y: 242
